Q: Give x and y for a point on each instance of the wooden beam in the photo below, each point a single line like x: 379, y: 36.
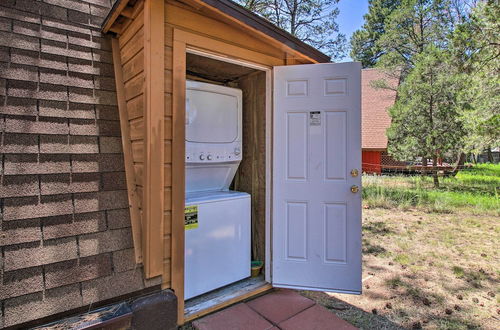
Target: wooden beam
x: 128, y: 12
x: 139, y: 6
x: 289, y: 59
x: 116, y: 28
x: 153, y: 204
x: 178, y: 173
x: 133, y: 197
x: 112, y: 18
x: 136, y: 12
x: 221, y: 47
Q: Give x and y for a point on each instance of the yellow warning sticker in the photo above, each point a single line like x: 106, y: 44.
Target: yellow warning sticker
x: 191, y: 217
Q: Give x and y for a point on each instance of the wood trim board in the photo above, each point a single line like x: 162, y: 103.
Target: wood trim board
x: 219, y: 47
x: 133, y: 197
x: 178, y: 172
x: 226, y: 296
x: 154, y: 90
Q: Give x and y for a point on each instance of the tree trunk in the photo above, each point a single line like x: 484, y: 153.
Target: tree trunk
x: 459, y: 164
x: 435, y: 171
x: 490, y: 155
x: 424, y: 165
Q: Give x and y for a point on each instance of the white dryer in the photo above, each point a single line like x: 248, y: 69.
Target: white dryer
x: 213, y: 136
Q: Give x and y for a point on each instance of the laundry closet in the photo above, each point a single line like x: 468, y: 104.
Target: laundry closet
x: 225, y: 175
x: 241, y: 143
x: 218, y: 228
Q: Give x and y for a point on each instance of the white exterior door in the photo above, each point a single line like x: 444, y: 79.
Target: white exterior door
x: 316, y: 223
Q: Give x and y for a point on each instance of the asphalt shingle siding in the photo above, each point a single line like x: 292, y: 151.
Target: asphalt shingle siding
x: 65, y: 229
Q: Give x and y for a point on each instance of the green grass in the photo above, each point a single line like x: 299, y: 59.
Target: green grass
x: 458, y: 271
x: 403, y: 259
x: 476, y: 189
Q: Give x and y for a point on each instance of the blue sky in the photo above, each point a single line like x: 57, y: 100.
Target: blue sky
x: 351, y: 17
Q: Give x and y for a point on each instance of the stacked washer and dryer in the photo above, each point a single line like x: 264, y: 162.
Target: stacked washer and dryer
x: 217, y: 247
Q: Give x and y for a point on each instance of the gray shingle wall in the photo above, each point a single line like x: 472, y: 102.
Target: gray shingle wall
x: 65, y: 229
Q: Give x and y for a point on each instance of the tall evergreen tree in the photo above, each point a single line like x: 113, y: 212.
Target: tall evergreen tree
x: 364, y: 42
x: 476, y: 50
x: 410, y: 29
x: 426, y: 116
x: 405, y: 26
x: 312, y: 21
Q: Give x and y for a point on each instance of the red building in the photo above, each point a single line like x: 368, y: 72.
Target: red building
x: 375, y: 103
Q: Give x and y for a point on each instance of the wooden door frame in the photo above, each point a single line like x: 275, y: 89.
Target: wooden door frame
x: 186, y: 42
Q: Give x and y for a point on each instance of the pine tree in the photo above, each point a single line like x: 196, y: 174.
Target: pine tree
x: 410, y: 29
x: 364, y: 42
x: 312, y: 21
x: 402, y: 28
x: 426, y: 116
x: 476, y: 50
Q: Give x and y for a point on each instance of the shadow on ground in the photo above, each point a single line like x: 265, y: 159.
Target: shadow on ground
x: 350, y: 313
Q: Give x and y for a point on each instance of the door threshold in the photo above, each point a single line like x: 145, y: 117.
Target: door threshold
x: 225, y: 296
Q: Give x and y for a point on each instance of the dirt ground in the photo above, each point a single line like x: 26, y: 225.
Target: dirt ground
x: 424, y: 270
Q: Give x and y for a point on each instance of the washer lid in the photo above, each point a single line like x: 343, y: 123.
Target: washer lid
x: 213, y: 196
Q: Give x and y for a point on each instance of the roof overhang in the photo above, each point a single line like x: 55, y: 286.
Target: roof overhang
x: 252, y: 21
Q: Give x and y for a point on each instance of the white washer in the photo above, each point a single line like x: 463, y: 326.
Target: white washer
x: 217, y: 252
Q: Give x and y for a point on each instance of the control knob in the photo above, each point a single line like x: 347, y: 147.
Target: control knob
x: 237, y: 151
x: 202, y: 157
x: 209, y: 157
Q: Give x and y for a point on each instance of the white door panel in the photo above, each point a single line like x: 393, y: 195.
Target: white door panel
x: 316, y: 235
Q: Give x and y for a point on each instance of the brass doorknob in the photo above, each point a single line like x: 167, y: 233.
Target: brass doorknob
x: 354, y: 189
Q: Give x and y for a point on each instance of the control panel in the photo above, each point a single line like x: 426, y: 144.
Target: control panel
x: 213, y: 153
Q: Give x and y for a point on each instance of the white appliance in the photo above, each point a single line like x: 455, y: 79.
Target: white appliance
x: 217, y: 241
x: 213, y: 135
x: 218, y: 251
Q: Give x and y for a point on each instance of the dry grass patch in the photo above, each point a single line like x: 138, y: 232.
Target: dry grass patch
x: 436, y: 271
